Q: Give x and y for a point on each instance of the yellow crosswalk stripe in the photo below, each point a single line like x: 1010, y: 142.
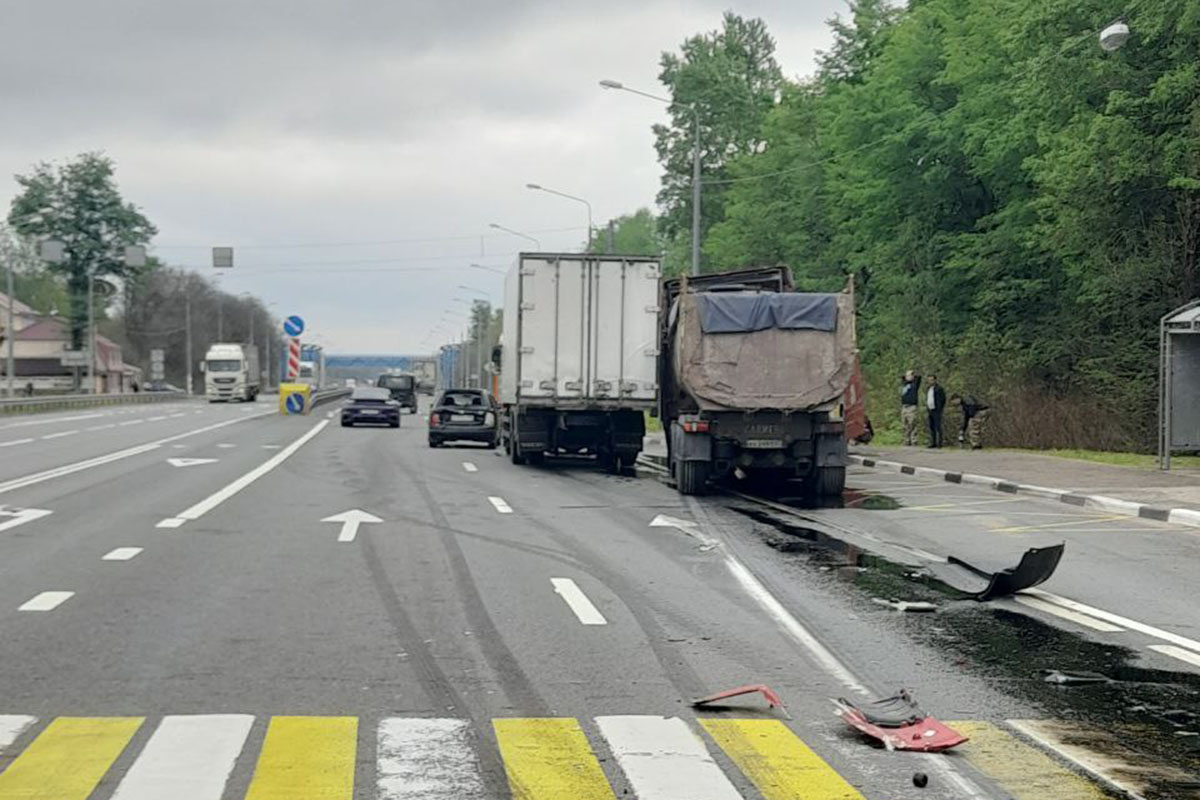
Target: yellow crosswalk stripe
x: 306, y: 758
x: 1021, y: 769
x: 777, y: 762
x: 549, y: 759
x: 68, y: 758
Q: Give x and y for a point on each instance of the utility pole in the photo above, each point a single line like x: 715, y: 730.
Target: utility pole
x: 187, y: 346
x: 220, y: 319
x: 10, y: 332
x: 612, y: 237
x: 91, y: 312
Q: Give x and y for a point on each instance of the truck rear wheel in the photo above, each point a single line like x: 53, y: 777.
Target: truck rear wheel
x: 692, y: 476
x: 830, y: 481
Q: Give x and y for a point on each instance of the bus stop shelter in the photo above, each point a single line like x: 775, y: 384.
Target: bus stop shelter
x: 1179, y: 383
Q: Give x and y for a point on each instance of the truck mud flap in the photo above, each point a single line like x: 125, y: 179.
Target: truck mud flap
x: 1036, y: 567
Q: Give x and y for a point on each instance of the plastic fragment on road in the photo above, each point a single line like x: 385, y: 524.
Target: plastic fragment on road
x: 899, y: 724
x: 772, y: 699
x: 917, y: 606
x: 1035, y: 567
x: 1065, y: 678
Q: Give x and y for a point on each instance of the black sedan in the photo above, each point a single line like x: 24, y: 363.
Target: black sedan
x: 468, y: 415
x: 369, y: 405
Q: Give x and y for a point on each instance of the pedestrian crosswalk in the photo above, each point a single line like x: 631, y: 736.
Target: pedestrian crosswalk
x: 220, y: 756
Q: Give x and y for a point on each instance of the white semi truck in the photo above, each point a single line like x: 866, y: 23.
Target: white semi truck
x: 231, y: 372
x: 578, y: 354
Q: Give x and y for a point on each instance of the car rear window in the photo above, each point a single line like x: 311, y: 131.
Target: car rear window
x: 461, y: 399
x: 396, y: 381
x: 370, y: 395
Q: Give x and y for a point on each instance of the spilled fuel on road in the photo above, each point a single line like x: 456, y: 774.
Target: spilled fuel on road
x: 1145, y: 721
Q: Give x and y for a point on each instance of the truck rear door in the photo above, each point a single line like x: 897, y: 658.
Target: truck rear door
x: 552, y: 328
x: 622, y: 329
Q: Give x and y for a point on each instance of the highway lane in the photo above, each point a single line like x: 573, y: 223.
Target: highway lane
x: 448, y: 609
x: 34, y: 444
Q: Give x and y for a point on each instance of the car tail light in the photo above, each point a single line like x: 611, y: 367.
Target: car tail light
x: 695, y: 426
x: 434, y: 421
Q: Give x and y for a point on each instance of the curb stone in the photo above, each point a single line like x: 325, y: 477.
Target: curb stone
x: 1177, y: 516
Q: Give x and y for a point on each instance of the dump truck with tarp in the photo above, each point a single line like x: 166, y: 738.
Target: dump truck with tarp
x: 752, y: 379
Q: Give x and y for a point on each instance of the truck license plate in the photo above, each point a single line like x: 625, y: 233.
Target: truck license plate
x: 764, y: 444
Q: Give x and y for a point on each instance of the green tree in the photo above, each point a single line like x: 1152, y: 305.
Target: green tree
x: 78, y: 204
x: 632, y: 234
x: 730, y: 77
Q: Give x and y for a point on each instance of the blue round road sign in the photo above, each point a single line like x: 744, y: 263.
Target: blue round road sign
x: 293, y: 326
x: 295, y: 403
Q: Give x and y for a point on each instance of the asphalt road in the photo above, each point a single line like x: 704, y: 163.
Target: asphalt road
x: 196, y: 630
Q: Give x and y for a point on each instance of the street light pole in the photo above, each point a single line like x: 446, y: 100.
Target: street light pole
x: 609, y: 84
x: 539, y: 188
x: 187, y: 340
x: 500, y: 227
x: 91, y: 312
x: 10, y: 333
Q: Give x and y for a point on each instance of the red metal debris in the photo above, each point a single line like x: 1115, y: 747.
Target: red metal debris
x: 900, y: 724
x: 768, y: 695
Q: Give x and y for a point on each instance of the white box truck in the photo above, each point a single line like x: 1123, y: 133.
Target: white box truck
x: 578, y: 353
x: 231, y: 372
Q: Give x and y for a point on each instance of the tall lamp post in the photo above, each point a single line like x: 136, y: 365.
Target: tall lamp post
x: 610, y: 84
x: 500, y: 227
x: 539, y: 188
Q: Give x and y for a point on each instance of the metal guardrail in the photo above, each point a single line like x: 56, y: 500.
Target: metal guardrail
x: 29, y: 405
x: 325, y: 395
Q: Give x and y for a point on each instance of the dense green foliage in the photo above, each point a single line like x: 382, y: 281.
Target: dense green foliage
x: 78, y: 204
x: 1018, y: 207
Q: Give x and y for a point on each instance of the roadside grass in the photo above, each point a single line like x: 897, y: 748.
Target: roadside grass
x: 653, y: 424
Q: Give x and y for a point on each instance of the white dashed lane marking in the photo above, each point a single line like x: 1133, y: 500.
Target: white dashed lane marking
x: 500, y: 505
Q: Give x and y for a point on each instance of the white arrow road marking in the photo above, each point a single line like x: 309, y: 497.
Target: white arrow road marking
x: 46, y: 601
x: 121, y: 554
x: 501, y: 506
x: 688, y: 527
x: 350, y: 521
x: 12, y: 517
x: 469, y: 467
x: 190, y: 462
x: 574, y: 597
x: 212, y: 501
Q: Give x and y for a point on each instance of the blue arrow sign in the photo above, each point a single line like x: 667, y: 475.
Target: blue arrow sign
x: 293, y: 326
x: 295, y: 403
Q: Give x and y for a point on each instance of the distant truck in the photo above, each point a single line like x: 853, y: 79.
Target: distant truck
x: 231, y: 372
x: 577, y: 356
x: 753, y: 377
x: 425, y: 368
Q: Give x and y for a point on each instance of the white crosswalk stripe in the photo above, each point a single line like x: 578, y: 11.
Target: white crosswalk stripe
x: 12, y: 726
x: 428, y: 759
x: 187, y: 758
x: 664, y: 759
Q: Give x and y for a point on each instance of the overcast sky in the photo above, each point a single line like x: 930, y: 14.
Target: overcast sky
x: 355, y: 152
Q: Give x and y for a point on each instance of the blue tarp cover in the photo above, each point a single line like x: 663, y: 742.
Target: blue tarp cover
x: 745, y: 312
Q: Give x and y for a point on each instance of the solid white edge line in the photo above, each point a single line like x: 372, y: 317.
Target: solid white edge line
x: 578, y: 602
x: 46, y: 601
x: 793, y: 627
x: 1067, y: 614
x: 68, y: 469
x: 220, y: 496
x: 1116, y: 619
x: 187, y: 758
x: 121, y: 554
x: 11, y: 728
x: 1073, y: 755
x: 1177, y: 652
x: 500, y: 506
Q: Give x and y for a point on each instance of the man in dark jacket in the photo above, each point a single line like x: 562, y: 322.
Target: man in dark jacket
x: 973, y: 415
x: 935, y: 404
x: 910, y: 395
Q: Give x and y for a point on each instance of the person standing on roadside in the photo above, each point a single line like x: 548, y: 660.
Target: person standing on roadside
x: 974, y: 414
x: 935, y: 405
x: 910, y: 394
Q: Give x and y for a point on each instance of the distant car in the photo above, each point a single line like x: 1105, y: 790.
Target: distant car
x: 403, y: 389
x: 466, y: 415
x: 369, y: 404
